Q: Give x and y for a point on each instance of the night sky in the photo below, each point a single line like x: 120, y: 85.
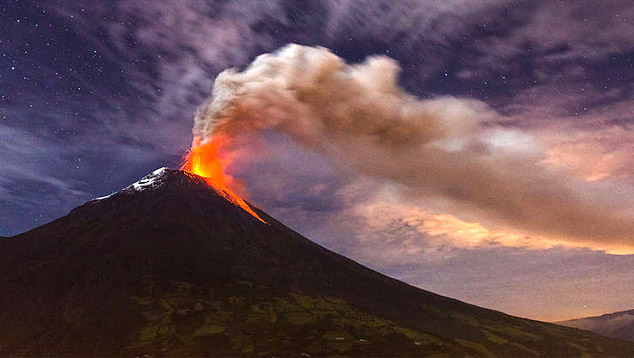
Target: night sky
x: 94, y: 95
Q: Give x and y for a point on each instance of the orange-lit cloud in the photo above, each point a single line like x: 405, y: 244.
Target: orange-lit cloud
x: 594, y: 155
x: 441, y: 229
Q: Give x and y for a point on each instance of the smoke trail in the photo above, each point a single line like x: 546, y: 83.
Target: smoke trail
x: 359, y: 115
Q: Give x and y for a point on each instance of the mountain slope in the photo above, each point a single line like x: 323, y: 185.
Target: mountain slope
x: 616, y: 325
x: 167, y: 266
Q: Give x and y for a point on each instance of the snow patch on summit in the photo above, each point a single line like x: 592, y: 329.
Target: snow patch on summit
x: 148, y: 182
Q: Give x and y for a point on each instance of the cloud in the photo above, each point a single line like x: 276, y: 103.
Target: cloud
x: 429, y: 231
x: 585, y: 129
x: 583, y: 29
x: 24, y: 181
x: 358, y: 115
x: 596, y: 154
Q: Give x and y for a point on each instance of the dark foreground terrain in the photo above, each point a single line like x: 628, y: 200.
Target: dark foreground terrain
x: 167, y: 267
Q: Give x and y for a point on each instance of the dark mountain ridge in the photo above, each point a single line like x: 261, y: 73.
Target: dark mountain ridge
x: 167, y: 266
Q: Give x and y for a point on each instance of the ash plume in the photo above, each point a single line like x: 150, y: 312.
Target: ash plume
x: 357, y: 114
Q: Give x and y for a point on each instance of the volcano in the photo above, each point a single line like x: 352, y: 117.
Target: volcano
x: 168, y: 266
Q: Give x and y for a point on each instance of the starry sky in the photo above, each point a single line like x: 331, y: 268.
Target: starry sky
x: 94, y: 95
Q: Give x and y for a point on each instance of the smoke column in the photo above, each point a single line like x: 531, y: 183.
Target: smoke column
x: 358, y: 114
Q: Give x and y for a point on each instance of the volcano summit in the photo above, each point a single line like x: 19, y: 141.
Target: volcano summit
x: 169, y: 266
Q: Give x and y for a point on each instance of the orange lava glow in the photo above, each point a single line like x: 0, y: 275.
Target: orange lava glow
x: 205, y: 159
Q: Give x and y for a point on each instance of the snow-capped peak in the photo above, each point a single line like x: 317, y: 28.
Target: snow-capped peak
x: 148, y: 182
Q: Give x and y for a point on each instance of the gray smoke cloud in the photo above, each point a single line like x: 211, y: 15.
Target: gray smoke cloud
x: 357, y: 114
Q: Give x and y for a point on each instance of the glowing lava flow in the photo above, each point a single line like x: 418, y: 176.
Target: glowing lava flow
x: 204, y: 159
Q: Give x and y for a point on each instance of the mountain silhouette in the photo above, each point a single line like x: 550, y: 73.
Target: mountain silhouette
x: 169, y: 267
x: 616, y: 325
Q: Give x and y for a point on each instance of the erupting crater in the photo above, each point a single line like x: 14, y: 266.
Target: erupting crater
x: 205, y: 159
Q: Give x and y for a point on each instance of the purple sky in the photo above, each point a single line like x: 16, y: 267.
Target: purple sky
x: 94, y: 96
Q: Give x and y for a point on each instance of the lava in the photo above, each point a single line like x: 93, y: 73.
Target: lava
x: 205, y: 159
